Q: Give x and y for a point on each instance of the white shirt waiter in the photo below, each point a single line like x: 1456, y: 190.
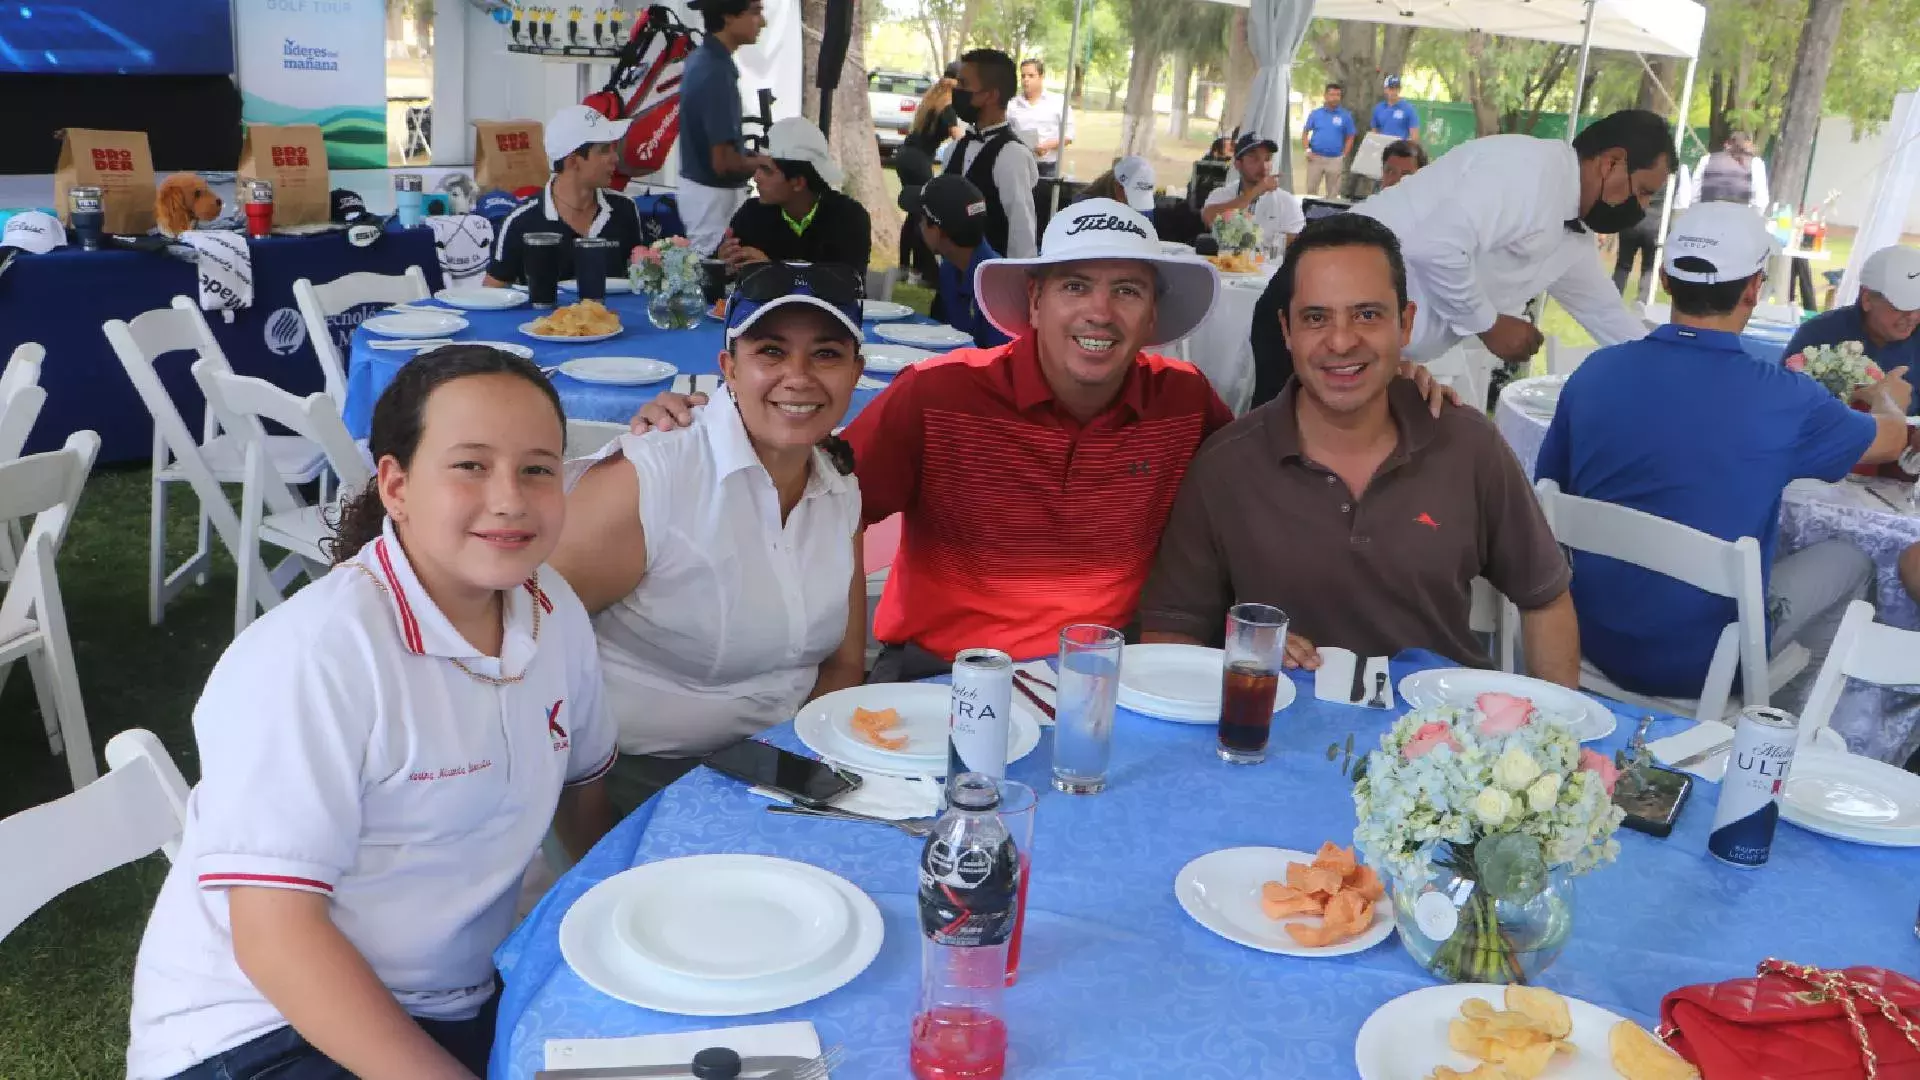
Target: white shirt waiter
x: 1484, y: 230
x: 353, y: 744
x: 1038, y: 121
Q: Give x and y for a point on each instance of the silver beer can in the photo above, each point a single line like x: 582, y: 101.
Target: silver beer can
x: 978, y: 719
x: 1749, y: 806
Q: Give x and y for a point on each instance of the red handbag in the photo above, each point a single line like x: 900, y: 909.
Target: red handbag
x: 1799, y: 1022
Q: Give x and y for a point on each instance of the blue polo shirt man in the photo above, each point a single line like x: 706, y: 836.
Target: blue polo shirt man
x: 1328, y: 136
x: 952, y: 213
x: 1686, y: 426
x: 1394, y: 118
x: 1885, y: 318
x: 714, y: 163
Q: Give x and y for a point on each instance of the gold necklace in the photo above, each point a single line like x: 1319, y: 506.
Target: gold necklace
x: 532, y: 585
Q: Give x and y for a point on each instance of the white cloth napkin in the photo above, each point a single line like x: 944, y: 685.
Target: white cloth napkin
x: 1042, y: 670
x: 1699, y: 737
x: 696, y: 384
x: 895, y: 798
x: 797, y: 1039
x: 464, y: 243
x: 225, y: 269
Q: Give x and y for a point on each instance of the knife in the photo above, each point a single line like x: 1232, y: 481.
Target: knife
x: 1033, y: 697
x: 1694, y: 759
x: 667, y: 1072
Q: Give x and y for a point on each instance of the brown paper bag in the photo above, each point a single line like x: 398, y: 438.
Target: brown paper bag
x: 509, y: 155
x: 294, y: 158
x: 116, y: 162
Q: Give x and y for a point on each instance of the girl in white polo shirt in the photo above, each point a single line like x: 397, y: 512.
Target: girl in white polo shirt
x: 380, y: 757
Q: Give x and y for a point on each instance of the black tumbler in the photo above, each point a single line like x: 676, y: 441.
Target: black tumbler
x: 591, y: 256
x: 713, y: 280
x: 543, y: 268
x: 87, y: 216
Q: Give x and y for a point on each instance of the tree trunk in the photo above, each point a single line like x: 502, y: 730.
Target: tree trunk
x: 1143, y: 78
x: 851, y: 140
x: 968, y: 14
x: 1241, y: 68
x: 1182, y: 94
x: 1800, y: 119
x: 1481, y: 79
x: 1395, y: 43
x: 1203, y: 97
x: 1660, y: 87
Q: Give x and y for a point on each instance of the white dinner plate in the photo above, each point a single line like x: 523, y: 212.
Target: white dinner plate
x: 1537, y: 398
x: 620, y: 284
x: 1246, y: 283
x: 618, y: 370
x: 1405, y: 1038
x: 514, y: 347
x: 593, y: 950
x: 1175, y: 247
x: 1221, y: 891
x: 924, y: 335
x: 563, y: 339
x: 1849, y: 797
x: 481, y: 298
x: 1459, y: 687
x: 825, y: 727
x: 892, y: 359
x: 877, y: 310
x: 415, y: 324
x: 1180, y: 683
x: 726, y: 917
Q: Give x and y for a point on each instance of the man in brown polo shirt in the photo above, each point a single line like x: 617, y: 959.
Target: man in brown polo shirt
x: 1346, y: 503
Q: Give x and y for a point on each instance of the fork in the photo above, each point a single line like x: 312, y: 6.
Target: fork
x: 816, y: 1069
x: 915, y: 827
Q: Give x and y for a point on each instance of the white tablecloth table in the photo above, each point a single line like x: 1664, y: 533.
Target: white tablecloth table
x: 1222, y: 346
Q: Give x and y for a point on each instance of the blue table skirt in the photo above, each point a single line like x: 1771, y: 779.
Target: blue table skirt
x: 1766, y: 340
x: 1118, y: 982
x: 60, y: 300
x: 694, y: 352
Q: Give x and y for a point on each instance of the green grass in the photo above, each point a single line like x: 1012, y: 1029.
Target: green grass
x: 66, y: 974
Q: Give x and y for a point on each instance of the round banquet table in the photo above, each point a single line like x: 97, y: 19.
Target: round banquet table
x: 1876, y: 515
x: 1117, y: 982
x: 1766, y: 340
x: 1222, y: 345
x: 694, y: 352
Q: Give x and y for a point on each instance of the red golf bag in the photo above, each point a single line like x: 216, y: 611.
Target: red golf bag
x: 645, y: 86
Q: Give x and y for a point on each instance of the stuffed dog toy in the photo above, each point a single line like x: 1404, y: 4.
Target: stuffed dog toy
x: 184, y: 200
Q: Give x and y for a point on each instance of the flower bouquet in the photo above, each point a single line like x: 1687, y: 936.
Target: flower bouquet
x: 1843, y: 369
x: 1236, y: 231
x: 1480, y: 817
x: 669, y: 272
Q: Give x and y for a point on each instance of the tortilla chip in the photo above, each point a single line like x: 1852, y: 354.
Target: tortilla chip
x: 1279, y: 901
x: 1335, y: 858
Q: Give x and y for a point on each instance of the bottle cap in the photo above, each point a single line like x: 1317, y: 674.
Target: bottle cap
x: 716, y: 1063
x: 974, y: 791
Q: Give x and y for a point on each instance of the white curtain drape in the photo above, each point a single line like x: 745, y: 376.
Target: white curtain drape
x: 1892, y: 192
x: 1275, y: 29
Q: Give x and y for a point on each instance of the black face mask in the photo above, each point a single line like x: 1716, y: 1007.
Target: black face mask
x: 963, y: 106
x: 1606, y: 217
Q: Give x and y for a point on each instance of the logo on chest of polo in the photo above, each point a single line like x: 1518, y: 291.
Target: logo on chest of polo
x: 556, y: 733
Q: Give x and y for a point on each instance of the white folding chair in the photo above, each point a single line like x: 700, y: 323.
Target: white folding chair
x: 586, y: 436
x: 179, y: 458
x: 1656, y: 315
x: 1491, y: 614
x: 1723, y: 568
x: 1563, y: 358
x: 317, y: 303
x: 23, y: 368
x: 1780, y: 313
x: 33, y: 622
x: 880, y: 283
x: 271, y: 512
x: 1862, y: 649
x: 21, y: 400
x: 138, y: 808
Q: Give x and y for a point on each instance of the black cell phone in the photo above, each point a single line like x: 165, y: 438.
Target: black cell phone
x: 1653, y: 803
x: 804, y: 780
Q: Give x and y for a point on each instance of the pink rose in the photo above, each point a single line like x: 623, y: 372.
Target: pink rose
x: 1502, y: 714
x: 1874, y: 372
x: 1427, y: 739
x: 680, y: 241
x: 1600, y: 765
x: 1797, y: 362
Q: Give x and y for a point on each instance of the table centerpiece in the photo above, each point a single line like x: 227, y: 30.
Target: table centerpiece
x: 669, y: 272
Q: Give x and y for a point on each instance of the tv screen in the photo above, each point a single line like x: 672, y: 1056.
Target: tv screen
x: 117, y: 37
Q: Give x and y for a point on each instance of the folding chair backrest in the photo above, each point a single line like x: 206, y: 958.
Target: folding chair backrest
x: 23, y: 369
x: 1723, y: 568
x: 319, y: 302
x: 242, y: 402
x: 18, y: 412
x: 586, y: 436
x: 140, y: 343
x: 137, y: 808
x: 46, y: 487
x: 1862, y: 649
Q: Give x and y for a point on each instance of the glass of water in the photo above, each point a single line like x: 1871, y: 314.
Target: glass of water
x: 1083, y: 721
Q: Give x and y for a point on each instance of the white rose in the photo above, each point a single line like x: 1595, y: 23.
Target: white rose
x: 1492, y: 805
x: 1544, y: 793
x: 1515, y: 769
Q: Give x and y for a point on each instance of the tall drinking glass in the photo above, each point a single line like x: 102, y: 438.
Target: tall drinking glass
x: 1083, y: 726
x: 592, y: 255
x: 1017, y: 802
x: 542, y: 268
x: 1256, y: 645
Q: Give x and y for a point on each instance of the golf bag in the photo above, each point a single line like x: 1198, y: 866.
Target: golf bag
x: 645, y: 86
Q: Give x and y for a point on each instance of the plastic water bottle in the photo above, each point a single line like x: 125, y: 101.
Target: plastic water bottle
x: 969, y: 878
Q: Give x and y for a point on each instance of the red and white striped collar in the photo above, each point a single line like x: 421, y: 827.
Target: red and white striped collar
x: 424, y: 630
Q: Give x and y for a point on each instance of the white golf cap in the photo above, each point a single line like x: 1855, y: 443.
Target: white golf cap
x: 1715, y: 243
x: 1894, y: 272
x: 576, y: 126
x: 1100, y: 229
x: 1134, y: 174
x: 33, y: 231
x: 797, y: 139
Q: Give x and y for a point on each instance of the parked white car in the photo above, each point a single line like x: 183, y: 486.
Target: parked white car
x: 894, y: 96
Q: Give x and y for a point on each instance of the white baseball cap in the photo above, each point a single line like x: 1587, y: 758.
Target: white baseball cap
x: 576, y: 126
x: 797, y: 139
x: 33, y: 231
x: 1134, y: 174
x: 1894, y: 272
x: 1715, y: 243
x: 1101, y: 229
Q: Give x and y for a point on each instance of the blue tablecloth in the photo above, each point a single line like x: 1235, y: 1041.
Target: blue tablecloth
x: 694, y: 352
x: 1116, y: 981
x: 60, y: 299
x: 1766, y: 340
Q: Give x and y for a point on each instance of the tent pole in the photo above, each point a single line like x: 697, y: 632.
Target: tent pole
x: 1681, y: 129
x: 1066, y: 107
x: 1580, y: 77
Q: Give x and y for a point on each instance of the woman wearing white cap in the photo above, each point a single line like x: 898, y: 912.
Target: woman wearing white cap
x: 722, y: 561
x: 798, y: 217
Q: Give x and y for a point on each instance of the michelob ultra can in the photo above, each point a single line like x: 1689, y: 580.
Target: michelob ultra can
x: 978, y: 719
x: 1749, y: 806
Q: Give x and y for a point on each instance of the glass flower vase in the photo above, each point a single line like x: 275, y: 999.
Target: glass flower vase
x: 677, y: 308
x: 1457, y: 928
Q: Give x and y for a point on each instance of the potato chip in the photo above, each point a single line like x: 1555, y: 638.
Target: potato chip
x: 1367, y: 883
x: 1525, y: 1062
x: 1279, y: 901
x: 1308, y: 878
x: 1637, y: 1055
x: 1478, y: 1072
x: 1476, y: 1008
x: 1464, y: 1037
x: 1549, y: 1008
x: 1335, y: 858
x: 588, y: 318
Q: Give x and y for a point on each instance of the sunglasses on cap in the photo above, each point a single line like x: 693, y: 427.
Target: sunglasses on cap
x: 830, y: 285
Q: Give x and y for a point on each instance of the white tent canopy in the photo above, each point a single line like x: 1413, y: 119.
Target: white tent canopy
x: 1654, y: 27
